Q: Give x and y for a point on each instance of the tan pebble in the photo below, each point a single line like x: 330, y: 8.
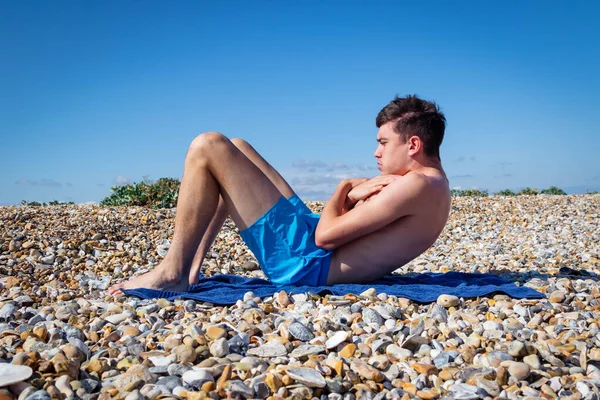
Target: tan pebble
x: 62, y: 365
x: 185, y: 354
x: 366, y: 371
x: 533, y: 361
x: 63, y: 297
x: 225, y: 376
x: 557, y: 297
x: 446, y: 375
x: 594, y: 354
x: 410, y: 388
x: 364, y: 349
x: 130, y: 330
x: 41, y: 332
x: 348, y: 350
x: 208, y: 386
x: 5, y: 395
x: 163, y: 303
x: 501, y: 376
x: 273, y: 381
x: 98, y: 366
x: 124, y: 364
x: 468, y: 354
x: 518, y: 370
x: 336, y: 364
x: 137, y: 384
x: 427, y: 369
x: 283, y: 299
x: 428, y: 393
x: 53, y: 392
x: 215, y: 332
x: 447, y: 300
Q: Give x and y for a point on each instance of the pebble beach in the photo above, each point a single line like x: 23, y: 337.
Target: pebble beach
x: 63, y: 337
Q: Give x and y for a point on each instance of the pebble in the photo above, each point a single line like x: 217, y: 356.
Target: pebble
x: 447, y: 300
x: 11, y: 373
x: 306, y: 376
x: 56, y: 320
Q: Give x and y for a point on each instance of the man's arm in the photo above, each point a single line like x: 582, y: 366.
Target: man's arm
x: 336, y: 228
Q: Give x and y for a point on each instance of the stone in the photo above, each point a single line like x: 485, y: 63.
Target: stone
x: 185, y: 354
x: 300, y: 332
x: 518, y: 370
x: 12, y: 373
x: 366, y: 371
x: 348, y: 350
x: 137, y: 373
x: 533, y: 361
x: 447, y: 300
x: 215, y: 332
x: 557, y: 297
x: 268, y: 350
x: 427, y: 369
x: 336, y: 339
x: 219, y: 348
x: 7, y: 311
x: 306, y: 376
x: 195, y: 379
x: 307, y: 350
x: 39, y: 395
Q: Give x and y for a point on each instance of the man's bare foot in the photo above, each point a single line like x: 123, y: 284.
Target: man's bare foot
x: 194, y: 275
x: 158, y: 278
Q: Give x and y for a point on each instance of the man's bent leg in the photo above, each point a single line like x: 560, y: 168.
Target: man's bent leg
x: 207, y: 240
x: 217, y: 222
x: 213, y: 165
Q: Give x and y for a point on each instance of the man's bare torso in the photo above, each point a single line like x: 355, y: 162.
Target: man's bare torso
x: 383, y: 251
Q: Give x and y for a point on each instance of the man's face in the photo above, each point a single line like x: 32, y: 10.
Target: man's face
x: 392, y: 152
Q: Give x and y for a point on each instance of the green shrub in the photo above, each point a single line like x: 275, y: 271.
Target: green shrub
x: 553, y: 190
x: 50, y: 203
x: 527, y: 191
x: 160, y: 194
x: 468, y: 192
x: 505, y: 192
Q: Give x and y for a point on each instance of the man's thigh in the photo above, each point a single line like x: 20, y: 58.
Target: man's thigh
x: 258, y: 160
x: 247, y: 192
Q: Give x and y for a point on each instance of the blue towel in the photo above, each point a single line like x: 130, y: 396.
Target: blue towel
x: 422, y: 288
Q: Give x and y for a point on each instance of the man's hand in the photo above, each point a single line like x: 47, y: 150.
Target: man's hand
x: 368, y: 187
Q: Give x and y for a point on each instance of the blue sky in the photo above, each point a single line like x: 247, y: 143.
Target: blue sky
x: 97, y: 93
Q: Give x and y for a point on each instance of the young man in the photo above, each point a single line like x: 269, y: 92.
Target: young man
x: 368, y: 228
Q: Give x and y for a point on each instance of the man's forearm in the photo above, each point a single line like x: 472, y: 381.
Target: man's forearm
x: 337, y: 205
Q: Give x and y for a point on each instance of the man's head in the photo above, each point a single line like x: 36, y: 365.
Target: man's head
x: 409, y: 129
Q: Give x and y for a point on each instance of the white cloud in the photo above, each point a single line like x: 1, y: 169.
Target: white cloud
x: 42, y: 182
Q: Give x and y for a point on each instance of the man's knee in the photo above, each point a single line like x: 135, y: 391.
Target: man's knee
x: 207, y: 140
x: 241, y: 144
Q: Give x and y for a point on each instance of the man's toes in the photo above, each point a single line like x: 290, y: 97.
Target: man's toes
x: 116, y: 288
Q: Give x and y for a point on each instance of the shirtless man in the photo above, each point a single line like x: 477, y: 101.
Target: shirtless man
x: 368, y: 228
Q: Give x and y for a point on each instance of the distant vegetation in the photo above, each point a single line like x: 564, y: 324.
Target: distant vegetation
x: 160, y: 194
x: 163, y: 194
x: 50, y: 203
x: 507, y: 192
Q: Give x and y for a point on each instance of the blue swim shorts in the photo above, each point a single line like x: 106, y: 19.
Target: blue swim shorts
x: 283, y: 242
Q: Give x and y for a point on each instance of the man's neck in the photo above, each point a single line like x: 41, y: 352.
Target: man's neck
x: 426, y: 164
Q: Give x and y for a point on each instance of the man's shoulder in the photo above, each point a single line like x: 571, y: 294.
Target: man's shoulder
x: 425, y: 185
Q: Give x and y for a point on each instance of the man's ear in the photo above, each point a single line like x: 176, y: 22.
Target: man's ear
x: 414, y: 145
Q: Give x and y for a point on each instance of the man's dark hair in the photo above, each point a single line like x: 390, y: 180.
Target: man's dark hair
x: 416, y: 117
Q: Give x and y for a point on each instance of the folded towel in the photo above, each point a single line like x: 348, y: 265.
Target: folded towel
x: 422, y: 288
